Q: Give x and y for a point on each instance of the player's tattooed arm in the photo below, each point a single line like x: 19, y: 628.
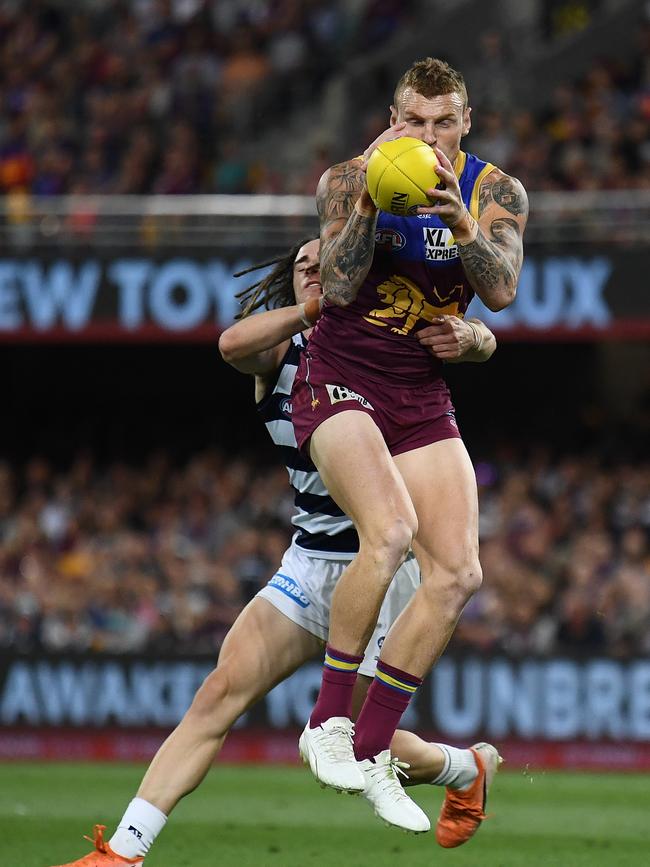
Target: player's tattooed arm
x: 348, y: 220
x: 492, y: 255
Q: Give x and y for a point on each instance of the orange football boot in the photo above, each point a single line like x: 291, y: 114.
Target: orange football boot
x: 463, y: 811
x: 103, y: 856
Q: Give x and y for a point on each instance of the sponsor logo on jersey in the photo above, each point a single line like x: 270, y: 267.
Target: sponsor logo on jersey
x: 338, y: 393
x: 290, y: 588
x: 389, y: 240
x: 439, y: 244
x: 286, y: 407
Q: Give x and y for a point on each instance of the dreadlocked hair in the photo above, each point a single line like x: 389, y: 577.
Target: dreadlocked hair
x: 274, y: 290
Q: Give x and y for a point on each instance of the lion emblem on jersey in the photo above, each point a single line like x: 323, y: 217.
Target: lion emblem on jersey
x: 404, y: 300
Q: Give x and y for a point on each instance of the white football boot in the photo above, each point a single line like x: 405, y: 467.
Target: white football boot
x: 328, y: 751
x: 387, y: 796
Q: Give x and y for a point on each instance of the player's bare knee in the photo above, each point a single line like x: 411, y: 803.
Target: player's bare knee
x: 475, y: 578
x: 453, y: 586
x: 390, y: 544
x: 398, y: 535
x: 464, y: 580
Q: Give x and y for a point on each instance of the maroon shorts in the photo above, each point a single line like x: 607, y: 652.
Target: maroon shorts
x: 408, y: 418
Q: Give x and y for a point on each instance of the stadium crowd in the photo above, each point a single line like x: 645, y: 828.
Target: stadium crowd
x: 593, y: 133
x: 154, y: 96
x: 162, y: 558
x: 157, y: 96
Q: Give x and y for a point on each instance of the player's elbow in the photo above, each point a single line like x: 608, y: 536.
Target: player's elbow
x: 339, y: 291
x: 337, y: 299
x: 230, y: 346
x: 500, y: 300
x: 496, y: 305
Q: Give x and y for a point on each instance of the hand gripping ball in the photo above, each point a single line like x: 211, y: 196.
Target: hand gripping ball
x: 398, y: 173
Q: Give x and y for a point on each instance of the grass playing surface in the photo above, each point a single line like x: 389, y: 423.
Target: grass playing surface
x: 279, y: 817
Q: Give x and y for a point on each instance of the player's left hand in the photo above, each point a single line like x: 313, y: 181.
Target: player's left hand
x: 449, y: 201
x: 390, y: 134
x: 447, y: 338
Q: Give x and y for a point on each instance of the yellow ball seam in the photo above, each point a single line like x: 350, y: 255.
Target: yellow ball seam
x: 402, y: 172
x: 389, y: 163
x: 416, y: 144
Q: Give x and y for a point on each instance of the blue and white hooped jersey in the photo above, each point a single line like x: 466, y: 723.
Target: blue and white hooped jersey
x: 321, y: 527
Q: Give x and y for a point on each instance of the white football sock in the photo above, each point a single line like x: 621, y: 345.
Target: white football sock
x: 459, y: 771
x: 138, y: 828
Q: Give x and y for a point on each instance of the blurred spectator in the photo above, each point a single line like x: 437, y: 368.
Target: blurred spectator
x: 90, y: 101
x: 232, y: 172
x: 163, y: 558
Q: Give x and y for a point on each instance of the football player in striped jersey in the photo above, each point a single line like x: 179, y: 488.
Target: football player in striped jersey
x: 286, y: 624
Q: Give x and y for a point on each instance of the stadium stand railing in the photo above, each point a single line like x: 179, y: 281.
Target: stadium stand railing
x: 563, y: 218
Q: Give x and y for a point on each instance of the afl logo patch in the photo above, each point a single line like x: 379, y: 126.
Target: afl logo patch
x: 285, y: 407
x: 389, y: 240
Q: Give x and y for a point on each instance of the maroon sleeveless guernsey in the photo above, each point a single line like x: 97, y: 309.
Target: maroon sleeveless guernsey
x: 416, y: 274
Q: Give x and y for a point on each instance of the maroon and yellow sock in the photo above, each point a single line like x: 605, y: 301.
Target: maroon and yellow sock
x: 335, y: 696
x: 387, y: 699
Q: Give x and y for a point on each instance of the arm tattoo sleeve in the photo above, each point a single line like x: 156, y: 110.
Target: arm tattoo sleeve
x: 493, y: 260
x: 348, y: 258
x: 346, y: 254
x: 505, y: 192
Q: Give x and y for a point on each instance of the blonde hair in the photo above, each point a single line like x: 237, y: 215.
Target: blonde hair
x: 431, y: 77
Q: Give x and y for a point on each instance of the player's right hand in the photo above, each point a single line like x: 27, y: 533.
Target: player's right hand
x: 448, y: 337
x: 389, y: 134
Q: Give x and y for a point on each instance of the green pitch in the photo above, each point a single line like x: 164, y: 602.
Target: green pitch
x: 278, y: 817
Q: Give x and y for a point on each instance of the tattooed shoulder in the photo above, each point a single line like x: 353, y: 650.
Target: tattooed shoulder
x: 505, y: 191
x: 485, y: 193
x: 338, y: 190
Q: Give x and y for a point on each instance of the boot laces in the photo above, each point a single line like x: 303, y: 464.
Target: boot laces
x: 337, y: 743
x: 98, y: 839
x: 386, y: 776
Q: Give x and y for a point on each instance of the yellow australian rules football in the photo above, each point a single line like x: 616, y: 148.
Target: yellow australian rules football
x: 398, y: 173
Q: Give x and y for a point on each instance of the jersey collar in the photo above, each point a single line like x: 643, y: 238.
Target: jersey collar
x: 459, y: 163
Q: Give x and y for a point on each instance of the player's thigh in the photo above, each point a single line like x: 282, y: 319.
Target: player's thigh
x: 359, y: 471
x: 442, y: 485
x: 262, y: 649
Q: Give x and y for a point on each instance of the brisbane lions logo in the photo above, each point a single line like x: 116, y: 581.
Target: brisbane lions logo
x: 402, y: 299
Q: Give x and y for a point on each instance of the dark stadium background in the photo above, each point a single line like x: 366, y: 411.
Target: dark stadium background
x: 123, y: 401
